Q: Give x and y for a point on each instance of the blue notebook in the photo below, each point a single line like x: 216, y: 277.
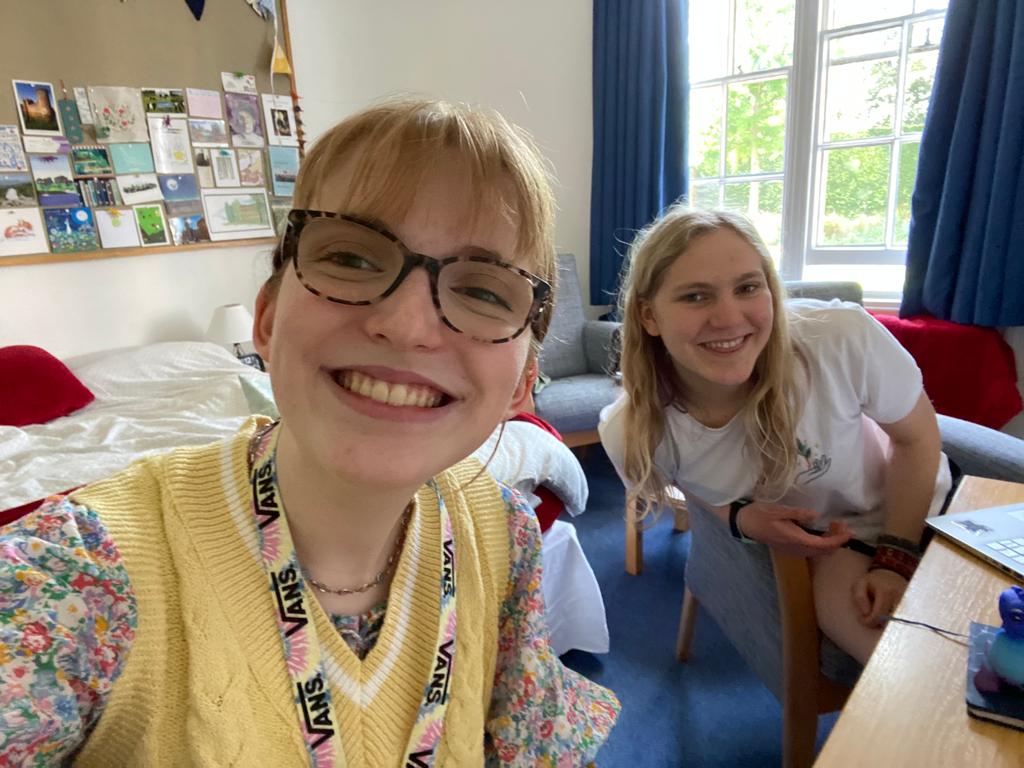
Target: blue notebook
x: 1006, y: 706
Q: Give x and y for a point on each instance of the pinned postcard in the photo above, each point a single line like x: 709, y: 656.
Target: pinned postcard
x: 116, y: 227
x: 208, y: 133
x: 204, y: 167
x: 250, y: 167
x: 21, y: 232
x: 171, y: 150
x: 53, y: 178
x: 204, y: 103
x: 17, y: 191
x: 163, y: 101
x: 47, y: 145
x: 132, y: 158
x: 139, y: 188
x: 37, y: 108
x: 284, y: 167
x: 244, y: 119
x: 280, y: 119
x: 152, y: 225
x: 179, y: 187
x: 91, y: 161
x: 118, y: 113
x: 235, y: 214
x: 189, y: 230
x: 225, y: 168
x: 238, y: 82
x: 71, y: 229
x: 84, y: 108
x: 12, y: 156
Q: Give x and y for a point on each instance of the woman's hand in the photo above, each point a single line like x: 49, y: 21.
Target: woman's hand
x: 876, y: 594
x: 778, y: 527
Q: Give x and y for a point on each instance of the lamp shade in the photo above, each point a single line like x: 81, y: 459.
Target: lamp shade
x: 230, y: 325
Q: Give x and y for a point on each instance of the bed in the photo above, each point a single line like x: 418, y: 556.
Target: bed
x: 156, y: 397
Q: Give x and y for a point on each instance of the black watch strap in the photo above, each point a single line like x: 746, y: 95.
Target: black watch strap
x: 734, y: 529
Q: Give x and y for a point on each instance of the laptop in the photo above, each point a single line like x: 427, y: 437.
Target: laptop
x: 995, y: 534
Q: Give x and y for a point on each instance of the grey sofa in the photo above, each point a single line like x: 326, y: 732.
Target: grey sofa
x: 578, y: 356
x: 737, y: 583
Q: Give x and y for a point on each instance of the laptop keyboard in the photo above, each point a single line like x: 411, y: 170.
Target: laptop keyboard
x: 1011, y: 548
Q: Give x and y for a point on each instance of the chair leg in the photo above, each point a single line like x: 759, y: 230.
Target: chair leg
x: 799, y: 729
x: 680, y: 518
x: 634, y: 538
x: 687, y: 621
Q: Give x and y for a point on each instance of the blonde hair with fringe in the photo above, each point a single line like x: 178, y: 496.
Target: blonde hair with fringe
x: 771, y: 411
x: 391, y: 147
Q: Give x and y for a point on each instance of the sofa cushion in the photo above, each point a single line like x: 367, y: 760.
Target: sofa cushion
x: 574, y: 403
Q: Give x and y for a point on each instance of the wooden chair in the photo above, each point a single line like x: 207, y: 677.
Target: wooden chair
x: 635, y: 529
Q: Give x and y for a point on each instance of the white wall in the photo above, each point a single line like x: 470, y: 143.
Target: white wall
x: 529, y: 59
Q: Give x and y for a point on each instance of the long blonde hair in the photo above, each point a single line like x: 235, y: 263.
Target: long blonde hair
x: 771, y: 411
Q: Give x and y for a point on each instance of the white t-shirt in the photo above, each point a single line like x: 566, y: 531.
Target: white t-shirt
x: 858, y: 377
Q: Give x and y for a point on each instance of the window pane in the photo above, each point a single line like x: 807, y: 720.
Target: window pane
x: 860, y: 99
x: 708, y: 41
x: 856, y: 191
x: 761, y: 202
x: 926, y: 34
x: 920, y: 78
x: 705, y: 195
x: 705, y: 131
x: 843, y: 13
x: 764, y: 34
x: 904, y: 188
x: 882, y: 278
x: 930, y: 5
x: 755, y: 126
x: 876, y: 44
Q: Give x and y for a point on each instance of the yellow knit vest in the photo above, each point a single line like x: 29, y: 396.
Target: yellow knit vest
x: 205, y: 683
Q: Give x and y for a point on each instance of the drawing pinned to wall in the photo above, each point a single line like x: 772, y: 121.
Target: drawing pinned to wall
x: 37, y: 108
x: 204, y: 167
x: 21, y: 232
x: 233, y: 214
x: 208, y: 133
x: 118, y: 113
x: 163, y: 101
x: 250, y: 167
x: 12, y: 156
x: 203, y: 102
x: 54, y: 181
x: 84, y: 107
x: 244, y: 119
x: 225, y: 168
x: 179, y: 187
x: 152, y: 226
x: 183, y: 207
x: 189, y: 230
x: 116, y: 227
x: 47, y: 145
x: 17, y: 191
x: 132, y: 158
x: 280, y: 119
x: 238, y: 82
x: 284, y: 167
x: 139, y: 188
x: 91, y: 161
x: 69, y: 118
x: 171, y: 150
x: 71, y: 229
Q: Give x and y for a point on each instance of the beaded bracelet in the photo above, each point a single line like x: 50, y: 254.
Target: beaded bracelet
x: 896, y: 554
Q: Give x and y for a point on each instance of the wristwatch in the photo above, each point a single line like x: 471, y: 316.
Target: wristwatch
x: 734, y: 529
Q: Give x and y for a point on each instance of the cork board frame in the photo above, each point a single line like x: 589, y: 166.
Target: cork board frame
x: 137, y: 43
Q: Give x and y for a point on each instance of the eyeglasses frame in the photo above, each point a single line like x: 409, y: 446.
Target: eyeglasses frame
x: 299, y: 217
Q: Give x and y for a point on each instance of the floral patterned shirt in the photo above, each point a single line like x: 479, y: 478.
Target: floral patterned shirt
x: 68, y: 617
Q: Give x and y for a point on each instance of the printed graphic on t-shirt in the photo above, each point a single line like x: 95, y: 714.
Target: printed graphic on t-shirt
x: 816, y: 465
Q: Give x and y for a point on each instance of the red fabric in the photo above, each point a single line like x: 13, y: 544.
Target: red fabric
x: 36, y: 387
x: 550, y: 506
x: 969, y: 371
x: 14, y: 513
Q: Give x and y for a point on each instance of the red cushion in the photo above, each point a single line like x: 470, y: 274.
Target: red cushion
x: 36, y: 387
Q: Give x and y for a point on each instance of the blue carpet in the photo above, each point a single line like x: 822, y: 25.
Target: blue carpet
x: 710, y: 711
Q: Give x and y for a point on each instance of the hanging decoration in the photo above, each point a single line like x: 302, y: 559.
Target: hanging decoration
x: 280, y: 64
x: 196, y: 6
x: 265, y: 8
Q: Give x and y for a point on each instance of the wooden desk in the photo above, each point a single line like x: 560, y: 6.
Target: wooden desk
x: 908, y: 706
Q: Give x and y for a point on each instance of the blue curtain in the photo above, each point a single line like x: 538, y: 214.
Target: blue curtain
x: 640, y: 93
x: 965, y: 257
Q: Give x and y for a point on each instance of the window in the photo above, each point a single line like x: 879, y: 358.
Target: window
x: 807, y: 115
